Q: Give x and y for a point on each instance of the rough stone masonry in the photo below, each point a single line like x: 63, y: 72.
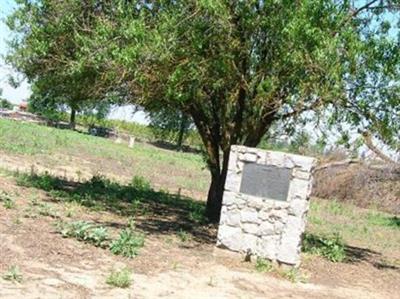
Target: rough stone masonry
x: 265, y: 203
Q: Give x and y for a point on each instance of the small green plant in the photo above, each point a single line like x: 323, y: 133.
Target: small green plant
x: 331, y: 248
x: 128, y: 243
x: 197, y: 213
x: 293, y: 275
x: 86, y: 232
x: 13, y: 274
x: 46, y: 209
x: 140, y: 183
x: 263, y: 265
x: 8, y: 203
x: 98, y: 236
x: 381, y: 219
x: 120, y: 279
x: 183, y: 235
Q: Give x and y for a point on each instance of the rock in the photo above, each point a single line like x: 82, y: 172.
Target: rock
x: 249, y: 215
x: 255, y: 202
x: 250, y: 228
x: 233, y: 181
x: 266, y: 228
x: 299, y: 188
x: 233, y: 218
x: 300, y: 174
x: 267, y: 247
x: 298, y: 207
x: 230, y: 237
x: 305, y: 163
x: 289, y: 247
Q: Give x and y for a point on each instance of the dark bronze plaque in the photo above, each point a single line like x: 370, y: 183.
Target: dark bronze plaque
x: 265, y: 181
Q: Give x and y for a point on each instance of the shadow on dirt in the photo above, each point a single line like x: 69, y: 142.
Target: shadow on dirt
x: 155, y: 212
x: 333, y: 248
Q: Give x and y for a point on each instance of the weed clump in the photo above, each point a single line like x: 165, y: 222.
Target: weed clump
x: 128, y: 243
x: 13, y: 274
x: 86, y: 232
x: 263, y: 265
x: 120, y: 279
x: 8, y: 203
x: 140, y: 183
x: 331, y: 248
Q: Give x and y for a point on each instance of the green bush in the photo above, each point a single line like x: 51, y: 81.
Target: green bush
x: 331, y: 248
x: 140, y: 183
x: 128, y: 243
x: 120, y: 279
x: 86, y: 232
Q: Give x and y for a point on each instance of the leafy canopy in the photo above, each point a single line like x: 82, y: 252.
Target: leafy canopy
x: 235, y: 67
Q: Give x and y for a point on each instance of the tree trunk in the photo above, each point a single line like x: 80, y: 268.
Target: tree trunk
x: 181, y: 133
x: 216, y: 191
x: 72, y: 119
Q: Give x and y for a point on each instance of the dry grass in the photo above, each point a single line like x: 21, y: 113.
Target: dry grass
x: 360, y: 185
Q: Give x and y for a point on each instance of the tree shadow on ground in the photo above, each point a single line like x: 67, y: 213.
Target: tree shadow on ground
x: 155, y: 212
x: 334, y: 249
x: 170, y: 146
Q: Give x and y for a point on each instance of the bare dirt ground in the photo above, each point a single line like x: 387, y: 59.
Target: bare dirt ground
x: 167, y: 267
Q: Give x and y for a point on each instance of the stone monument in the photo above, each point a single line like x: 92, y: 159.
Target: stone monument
x: 265, y: 203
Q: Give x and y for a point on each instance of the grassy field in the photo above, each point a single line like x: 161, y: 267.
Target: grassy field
x: 52, y: 147
x: 90, y: 189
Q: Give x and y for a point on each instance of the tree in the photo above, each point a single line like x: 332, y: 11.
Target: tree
x: 47, y: 51
x: 170, y: 124
x: 238, y: 67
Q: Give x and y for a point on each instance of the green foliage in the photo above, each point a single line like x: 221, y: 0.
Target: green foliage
x: 128, y: 243
x: 381, y: 219
x: 140, y: 183
x: 45, y: 144
x: 13, y: 274
x: 7, y: 201
x: 4, y: 104
x: 183, y: 236
x: 263, y: 265
x: 331, y: 248
x: 87, y: 232
x: 120, y: 279
x: 46, y: 209
x: 170, y: 124
x: 197, y: 213
x: 224, y: 63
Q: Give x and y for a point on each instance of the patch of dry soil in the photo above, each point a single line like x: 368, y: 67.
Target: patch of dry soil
x: 54, y: 267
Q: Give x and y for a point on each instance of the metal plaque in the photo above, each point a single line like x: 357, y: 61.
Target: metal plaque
x: 265, y: 181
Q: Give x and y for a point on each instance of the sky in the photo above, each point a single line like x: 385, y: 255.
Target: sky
x: 23, y: 92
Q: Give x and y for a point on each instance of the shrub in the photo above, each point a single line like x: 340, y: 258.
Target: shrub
x: 183, y: 235
x: 98, y: 237
x: 140, y: 183
x: 331, y: 248
x: 128, y: 243
x: 120, y: 279
x: 84, y: 231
